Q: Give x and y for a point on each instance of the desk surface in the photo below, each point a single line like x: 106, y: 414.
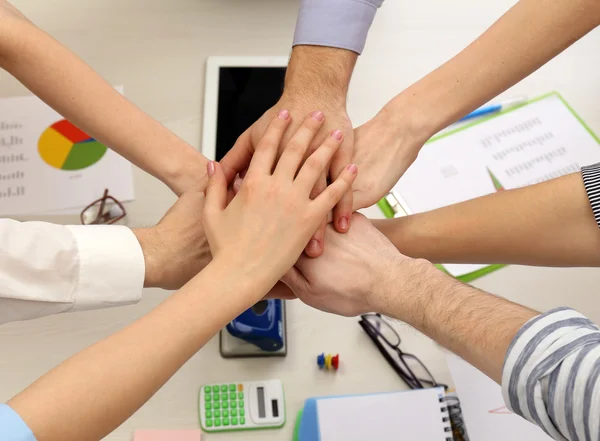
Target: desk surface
x: 157, y: 50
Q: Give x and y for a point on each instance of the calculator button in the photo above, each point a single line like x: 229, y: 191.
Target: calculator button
x: 207, y: 406
x: 226, y: 421
x: 209, y: 423
x: 232, y: 396
x: 217, y: 414
x: 207, y: 389
x: 217, y: 422
x: 216, y: 397
x: 241, y: 395
x: 215, y: 388
x: 242, y: 420
x: 242, y: 412
x: 209, y: 414
x: 240, y: 387
x: 225, y: 413
x: 208, y: 398
x: 224, y: 405
x: 233, y: 412
x: 232, y: 388
x: 224, y: 388
x: 225, y: 396
x: 233, y: 404
x: 216, y: 405
x: 234, y: 421
x: 241, y: 404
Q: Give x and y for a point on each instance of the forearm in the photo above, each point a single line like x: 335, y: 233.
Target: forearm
x: 548, y: 224
x: 477, y: 326
x: 319, y: 73
x: 106, y: 383
x: 73, y: 89
x: 526, y: 37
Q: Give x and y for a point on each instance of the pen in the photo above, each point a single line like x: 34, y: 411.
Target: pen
x: 494, y: 108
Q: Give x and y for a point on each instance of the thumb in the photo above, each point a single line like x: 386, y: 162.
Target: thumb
x: 294, y: 280
x: 216, y: 190
x: 239, y: 156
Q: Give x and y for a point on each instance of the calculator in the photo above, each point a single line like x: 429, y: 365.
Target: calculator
x: 249, y: 405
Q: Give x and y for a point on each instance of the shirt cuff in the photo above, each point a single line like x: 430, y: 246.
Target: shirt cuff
x: 111, y: 267
x: 12, y: 427
x: 335, y: 23
x: 591, y: 181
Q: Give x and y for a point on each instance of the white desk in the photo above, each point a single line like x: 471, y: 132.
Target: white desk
x: 157, y: 49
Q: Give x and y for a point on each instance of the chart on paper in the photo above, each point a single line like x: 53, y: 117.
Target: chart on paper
x: 47, y: 164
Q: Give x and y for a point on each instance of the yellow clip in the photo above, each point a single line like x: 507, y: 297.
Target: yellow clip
x: 328, y: 361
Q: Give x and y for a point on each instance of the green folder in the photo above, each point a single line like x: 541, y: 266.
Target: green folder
x: 388, y: 211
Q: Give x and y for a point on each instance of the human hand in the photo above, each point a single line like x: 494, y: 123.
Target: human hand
x: 176, y: 249
x: 263, y: 230
x: 355, y: 273
x: 383, y: 150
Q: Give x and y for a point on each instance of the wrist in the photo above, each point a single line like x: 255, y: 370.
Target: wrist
x: 242, y: 277
x: 150, y: 243
x: 187, y: 173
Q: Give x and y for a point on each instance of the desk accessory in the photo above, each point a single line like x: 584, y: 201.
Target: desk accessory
x: 328, y: 362
x: 495, y: 108
x: 412, y: 415
x: 258, y: 332
x: 249, y: 405
x: 524, y: 145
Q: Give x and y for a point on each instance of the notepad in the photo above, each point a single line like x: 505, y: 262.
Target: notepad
x: 538, y: 141
x: 167, y: 435
x: 412, y: 415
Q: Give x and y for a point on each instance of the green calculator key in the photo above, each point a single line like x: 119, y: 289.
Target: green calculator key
x: 242, y: 420
x: 232, y: 395
x: 241, y: 395
x: 215, y: 388
x: 233, y: 404
x: 217, y: 422
x: 209, y: 423
x: 241, y: 404
x: 217, y: 406
x: 208, y: 406
x: 226, y: 421
x: 232, y: 388
x: 217, y: 414
x: 234, y: 421
x: 224, y: 405
x: 233, y: 412
x: 242, y: 413
x: 216, y: 397
x: 225, y: 414
x: 209, y: 414
x: 224, y: 388
x: 208, y: 398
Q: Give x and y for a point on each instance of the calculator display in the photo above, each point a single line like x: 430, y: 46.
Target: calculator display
x: 261, y: 402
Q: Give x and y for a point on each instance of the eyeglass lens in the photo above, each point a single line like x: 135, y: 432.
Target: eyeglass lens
x: 110, y: 211
x: 383, y: 329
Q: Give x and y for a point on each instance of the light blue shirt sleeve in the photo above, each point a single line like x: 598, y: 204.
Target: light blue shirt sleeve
x: 12, y: 427
x: 335, y: 23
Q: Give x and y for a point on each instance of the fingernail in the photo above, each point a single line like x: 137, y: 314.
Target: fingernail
x: 352, y: 168
x: 337, y: 134
x: 343, y: 223
x: 318, y: 115
x: 210, y: 167
x: 283, y: 114
x: 237, y: 184
x: 314, y: 246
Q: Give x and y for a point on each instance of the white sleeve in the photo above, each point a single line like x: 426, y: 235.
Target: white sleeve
x: 47, y: 269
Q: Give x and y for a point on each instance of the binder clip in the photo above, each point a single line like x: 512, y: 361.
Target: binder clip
x: 328, y: 362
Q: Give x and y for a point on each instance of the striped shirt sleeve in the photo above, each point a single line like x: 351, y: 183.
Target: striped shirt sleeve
x: 551, y: 375
x: 335, y: 23
x: 591, y: 181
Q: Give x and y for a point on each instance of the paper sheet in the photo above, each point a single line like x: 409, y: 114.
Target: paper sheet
x: 167, y: 435
x: 410, y: 415
x: 540, y: 141
x: 484, y: 412
x: 46, y: 164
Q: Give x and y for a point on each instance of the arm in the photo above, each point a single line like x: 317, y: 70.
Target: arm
x: 48, y: 269
x: 548, y: 224
x: 74, y: 90
x: 530, y: 34
x: 252, y: 249
x: 547, y: 364
x: 329, y: 36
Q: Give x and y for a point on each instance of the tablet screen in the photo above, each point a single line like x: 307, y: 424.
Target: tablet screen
x: 245, y: 93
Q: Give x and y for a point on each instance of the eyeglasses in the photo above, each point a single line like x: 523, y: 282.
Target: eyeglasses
x: 407, y: 366
x: 105, y: 211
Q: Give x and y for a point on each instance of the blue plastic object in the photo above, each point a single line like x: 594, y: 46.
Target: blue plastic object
x: 261, y: 325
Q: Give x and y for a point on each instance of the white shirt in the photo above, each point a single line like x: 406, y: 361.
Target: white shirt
x: 48, y: 269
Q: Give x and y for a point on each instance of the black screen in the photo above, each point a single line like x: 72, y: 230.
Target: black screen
x: 261, y: 402
x: 275, y: 408
x: 245, y: 93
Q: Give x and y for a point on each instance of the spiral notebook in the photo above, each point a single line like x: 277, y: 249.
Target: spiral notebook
x: 422, y: 415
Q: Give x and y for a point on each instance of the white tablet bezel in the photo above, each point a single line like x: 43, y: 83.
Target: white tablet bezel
x: 211, y: 93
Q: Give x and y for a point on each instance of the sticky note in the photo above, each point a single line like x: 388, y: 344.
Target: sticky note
x: 167, y: 435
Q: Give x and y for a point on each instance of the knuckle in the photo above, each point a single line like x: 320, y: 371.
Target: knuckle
x: 295, y: 147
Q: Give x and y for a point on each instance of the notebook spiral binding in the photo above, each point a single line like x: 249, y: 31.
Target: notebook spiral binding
x: 456, y: 425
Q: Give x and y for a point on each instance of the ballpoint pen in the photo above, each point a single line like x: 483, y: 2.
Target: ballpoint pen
x: 494, y: 108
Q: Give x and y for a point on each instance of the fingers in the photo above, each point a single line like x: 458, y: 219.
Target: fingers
x: 342, y: 213
x: 239, y: 157
x: 266, y: 150
x: 294, y: 280
x: 216, y: 190
x: 316, y: 245
x: 316, y: 163
x: 296, y: 148
x: 334, y: 193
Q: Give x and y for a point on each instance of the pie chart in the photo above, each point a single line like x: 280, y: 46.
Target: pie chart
x: 65, y: 147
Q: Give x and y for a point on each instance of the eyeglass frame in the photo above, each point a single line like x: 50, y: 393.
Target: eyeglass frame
x: 105, y: 197
x: 404, y: 371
